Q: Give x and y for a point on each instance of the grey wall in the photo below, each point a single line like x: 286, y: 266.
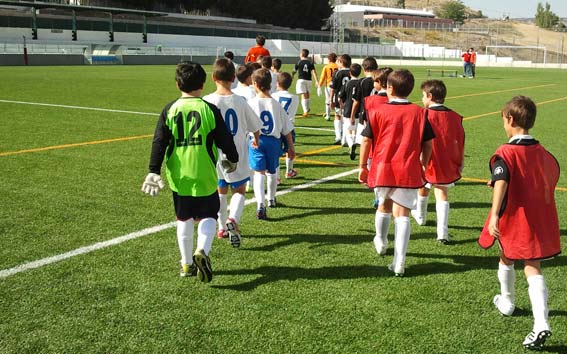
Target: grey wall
x: 42, y: 59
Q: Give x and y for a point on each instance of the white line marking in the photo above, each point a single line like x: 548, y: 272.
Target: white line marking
x: 134, y: 235
x: 313, y: 128
x: 79, y: 107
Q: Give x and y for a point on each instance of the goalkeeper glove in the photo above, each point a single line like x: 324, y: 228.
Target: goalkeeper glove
x: 228, y: 166
x: 152, y: 184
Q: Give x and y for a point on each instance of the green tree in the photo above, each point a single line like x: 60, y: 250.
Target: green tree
x: 452, y: 9
x: 544, y: 17
x: 401, y: 4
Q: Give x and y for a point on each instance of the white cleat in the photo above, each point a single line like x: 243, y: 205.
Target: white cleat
x: 419, y: 219
x: 380, y: 246
x: 504, y: 306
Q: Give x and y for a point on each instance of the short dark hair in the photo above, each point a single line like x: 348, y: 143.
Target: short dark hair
x: 436, y: 88
x: 305, y: 53
x: 381, y: 75
x: 277, y: 63
x: 223, y: 70
x: 266, y: 62
x: 369, y: 64
x: 522, y: 109
x: 254, y: 65
x: 332, y: 57
x: 190, y: 76
x: 346, y: 60
x: 402, y: 81
x: 243, y: 73
x: 284, y: 80
x: 263, y: 78
x: 260, y: 40
x: 355, y: 69
x: 228, y: 54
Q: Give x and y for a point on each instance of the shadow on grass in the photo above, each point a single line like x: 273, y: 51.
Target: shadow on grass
x: 554, y: 349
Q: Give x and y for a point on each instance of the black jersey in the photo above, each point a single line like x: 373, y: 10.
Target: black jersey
x: 340, y: 78
x: 304, y: 68
x: 346, y: 96
x: 362, y: 90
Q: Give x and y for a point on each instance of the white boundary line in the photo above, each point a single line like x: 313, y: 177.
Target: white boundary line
x: 134, y: 235
x: 79, y: 107
x: 119, y: 111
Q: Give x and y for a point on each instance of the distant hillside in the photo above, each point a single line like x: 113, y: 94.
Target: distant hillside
x: 430, y: 5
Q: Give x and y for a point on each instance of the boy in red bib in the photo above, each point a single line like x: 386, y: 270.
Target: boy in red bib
x: 400, y: 136
x: 447, y: 157
x: 523, y: 217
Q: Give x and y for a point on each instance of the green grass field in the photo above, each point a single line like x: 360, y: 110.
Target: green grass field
x: 306, y: 281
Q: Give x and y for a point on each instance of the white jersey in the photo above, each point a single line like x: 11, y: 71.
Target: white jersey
x: 274, y: 87
x: 245, y: 91
x: 289, y: 102
x: 240, y: 120
x: 274, y: 118
x: 235, y: 81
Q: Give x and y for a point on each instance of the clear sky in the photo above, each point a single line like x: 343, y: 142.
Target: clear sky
x: 515, y: 8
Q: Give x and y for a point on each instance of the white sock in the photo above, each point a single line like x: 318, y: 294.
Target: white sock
x: 401, y: 240
x: 237, y: 206
x: 206, y: 233
x: 442, y: 208
x: 507, y: 278
x: 349, y: 138
x: 344, y: 130
x: 185, y: 240
x: 538, y: 297
x: 328, y: 110
x: 338, y: 128
x: 272, y: 186
x: 223, y: 214
x: 305, y: 105
x: 288, y: 164
x: 307, y: 100
x: 422, y: 207
x: 382, y: 225
x: 259, y: 193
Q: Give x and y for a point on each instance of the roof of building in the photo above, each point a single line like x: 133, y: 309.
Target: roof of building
x: 382, y: 10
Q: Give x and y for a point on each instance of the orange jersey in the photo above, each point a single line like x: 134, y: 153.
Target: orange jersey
x: 327, y: 74
x: 254, y: 53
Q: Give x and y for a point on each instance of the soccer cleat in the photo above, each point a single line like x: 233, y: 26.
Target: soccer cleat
x: 337, y: 142
x: 187, y: 270
x: 272, y: 203
x: 380, y: 246
x: 291, y: 174
x: 504, y: 306
x: 352, y: 152
x: 306, y: 114
x: 444, y: 241
x: 535, y: 340
x: 398, y: 270
x: 261, y: 213
x: 233, y: 232
x: 420, y: 220
x: 222, y: 234
x: 204, y: 269
x: 327, y: 117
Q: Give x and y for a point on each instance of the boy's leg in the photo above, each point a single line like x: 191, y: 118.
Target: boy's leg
x: 401, y: 238
x: 327, y: 103
x: 345, y: 131
x: 420, y: 213
x: 537, y: 291
x: 442, y: 209
x: 504, y: 301
x: 236, y: 209
x: 223, y: 213
x: 272, y: 187
x: 382, y: 225
x: 338, y: 124
x: 259, y: 193
x: 205, y: 232
x: 185, y: 242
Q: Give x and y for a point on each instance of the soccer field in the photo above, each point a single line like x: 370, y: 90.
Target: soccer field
x: 88, y: 264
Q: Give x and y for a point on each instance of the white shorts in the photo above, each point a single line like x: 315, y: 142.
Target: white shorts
x: 302, y: 86
x: 405, y: 197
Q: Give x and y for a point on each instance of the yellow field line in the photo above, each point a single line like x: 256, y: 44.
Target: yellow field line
x: 315, y: 152
x: 64, y: 146
x: 562, y: 189
x: 537, y: 104
x: 324, y: 163
x: 500, y: 91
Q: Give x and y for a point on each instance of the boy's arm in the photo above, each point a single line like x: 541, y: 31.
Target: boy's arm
x: 314, y: 73
x: 498, y: 194
x: 364, y: 153
x: 162, y: 136
x: 355, y: 108
x: 256, y: 140
x: 291, y: 147
x: 426, y: 149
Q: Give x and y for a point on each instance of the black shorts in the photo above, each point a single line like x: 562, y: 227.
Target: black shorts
x: 196, y: 207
